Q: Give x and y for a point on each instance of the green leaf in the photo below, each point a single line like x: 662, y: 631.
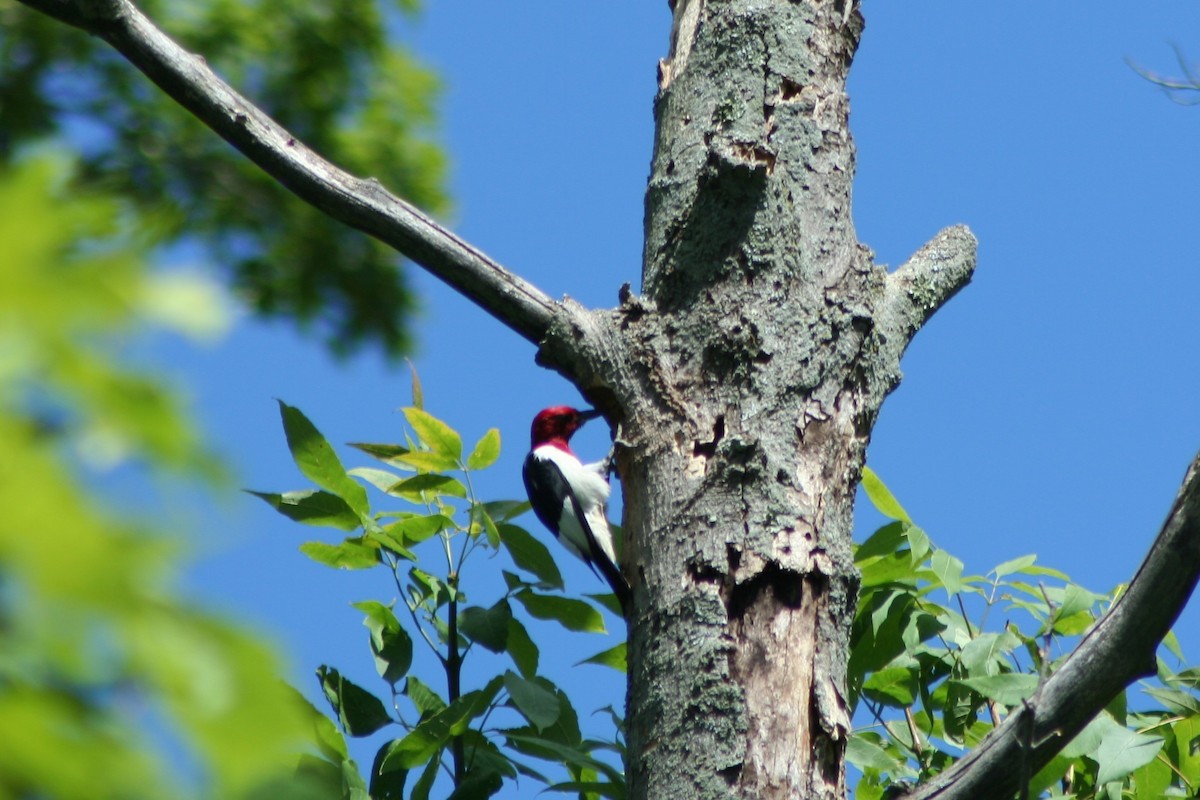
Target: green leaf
x: 530, y: 555
x: 1153, y: 779
x: 477, y: 784
x: 418, y: 394
x: 612, y: 657
x: 1175, y: 701
x: 572, y: 614
x: 1122, y: 751
x: 359, y: 712
x: 386, y: 785
x: 504, y: 510
x: 567, y: 754
x: 881, y: 497
x: 986, y: 654
x: 892, y: 686
x: 313, y: 507
x: 1008, y: 689
x: 1015, y: 565
x: 1171, y: 642
x: 609, y: 602
x: 486, y: 451
x: 432, y: 733
x: 489, y: 525
x: 536, y: 703
x: 388, y: 453
x: 885, y: 541
x: 416, y: 529
x: 918, y: 544
x: 611, y: 790
x: 426, y: 700
x: 488, y: 627
x: 864, y: 751
x: 426, y: 460
x: 949, y: 571
x: 1186, y: 733
x: 420, y: 488
x: 434, y: 434
x: 317, y: 461
x: 522, y: 648
x: 350, y: 554
x: 390, y: 643
x: 424, y: 784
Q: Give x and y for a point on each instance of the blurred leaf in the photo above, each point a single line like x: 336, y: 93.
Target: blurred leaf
x: 486, y: 451
x: 435, y: 434
x: 489, y: 627
x: 350, y: 554
x: 359, y: 712
x: 390, y: 643
x: 522, y: 649
x: 313, y: 507
x: 572, y: 614
x: 881, y: 497
x: 317, y: 461
x: 536, y: 703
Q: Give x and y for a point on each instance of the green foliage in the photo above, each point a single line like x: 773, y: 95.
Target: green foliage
x: 482, y: 736
x: 325, y: 69
x: 932, y: 681
x: 100, y: 661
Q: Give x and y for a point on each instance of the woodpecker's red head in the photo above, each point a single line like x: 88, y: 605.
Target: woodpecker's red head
x: 556, y: 425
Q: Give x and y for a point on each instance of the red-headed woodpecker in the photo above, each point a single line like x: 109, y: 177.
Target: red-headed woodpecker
x: 568, y: 496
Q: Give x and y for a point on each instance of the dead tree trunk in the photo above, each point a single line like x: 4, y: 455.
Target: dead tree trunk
x: 745, y: 383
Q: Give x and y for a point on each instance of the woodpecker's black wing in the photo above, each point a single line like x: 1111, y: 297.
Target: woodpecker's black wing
x: 549, y: 491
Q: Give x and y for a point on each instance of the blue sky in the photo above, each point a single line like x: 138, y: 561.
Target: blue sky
x: 1050, y: 408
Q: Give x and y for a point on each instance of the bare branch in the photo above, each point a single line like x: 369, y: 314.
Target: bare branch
x: 359, y: 203
x: 928, y: 279
x: 1119, y: 649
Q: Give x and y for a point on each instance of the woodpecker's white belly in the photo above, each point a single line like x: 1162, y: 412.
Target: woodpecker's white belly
x: 590, y: 488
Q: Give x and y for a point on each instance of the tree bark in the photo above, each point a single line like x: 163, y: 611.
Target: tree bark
x: 744, y: 385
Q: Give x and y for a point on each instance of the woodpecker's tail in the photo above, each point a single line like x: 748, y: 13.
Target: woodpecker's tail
x: 620, y: 586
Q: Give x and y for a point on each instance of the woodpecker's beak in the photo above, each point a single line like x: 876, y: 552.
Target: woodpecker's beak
x: 589, y: 413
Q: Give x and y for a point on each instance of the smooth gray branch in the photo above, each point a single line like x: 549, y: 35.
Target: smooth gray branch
x: 359, y: 203
x: 1118, y: 650
x: 927, y: 280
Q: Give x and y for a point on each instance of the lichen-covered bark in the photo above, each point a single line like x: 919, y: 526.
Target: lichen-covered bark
x: 744, y: 384
x: 761, y: 379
